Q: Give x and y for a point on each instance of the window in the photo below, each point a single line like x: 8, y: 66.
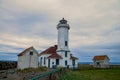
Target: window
x: 66, y: 43
x: 66, y: 62
x: 98, y: 63
x: 31, y: 53
x: 65, y: 53
x: 44, y: 60
x: 52, y: 62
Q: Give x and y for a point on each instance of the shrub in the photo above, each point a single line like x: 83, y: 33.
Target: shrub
x: 26, y: 70
x: 42, y: 68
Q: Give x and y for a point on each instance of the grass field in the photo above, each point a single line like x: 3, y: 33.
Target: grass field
x: 99, y: 74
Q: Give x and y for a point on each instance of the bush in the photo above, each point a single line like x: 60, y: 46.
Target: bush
x: 42, y: 68
x: 26, y: 70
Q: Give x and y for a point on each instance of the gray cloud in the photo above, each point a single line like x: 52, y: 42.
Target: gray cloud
x: 94, y: 24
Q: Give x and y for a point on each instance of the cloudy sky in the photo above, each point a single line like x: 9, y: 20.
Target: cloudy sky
x: 94, y: 26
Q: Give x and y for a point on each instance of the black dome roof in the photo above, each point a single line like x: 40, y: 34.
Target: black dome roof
x: 63, y: 21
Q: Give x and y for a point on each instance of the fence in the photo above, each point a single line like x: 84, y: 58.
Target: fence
x: 50, y: 74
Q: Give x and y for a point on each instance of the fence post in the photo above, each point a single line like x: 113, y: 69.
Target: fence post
x: 50, y: 77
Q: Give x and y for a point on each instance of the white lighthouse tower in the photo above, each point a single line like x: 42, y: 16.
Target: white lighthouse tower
x: 59, y: 55
x: 63, y: 42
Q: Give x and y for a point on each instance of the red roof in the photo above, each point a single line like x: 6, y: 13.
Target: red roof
x: 100, y: 57
x: 72, y: 57
x: 26, y: 50
x: 55, y: 55
x: 50, y: 50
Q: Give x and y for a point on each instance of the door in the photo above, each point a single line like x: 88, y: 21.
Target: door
x: 57, y: 61
x: 41, y: 61
x: 48, y: 63
x: 73, y: 62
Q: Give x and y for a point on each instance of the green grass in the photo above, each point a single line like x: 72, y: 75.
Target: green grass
x: 101, y: 74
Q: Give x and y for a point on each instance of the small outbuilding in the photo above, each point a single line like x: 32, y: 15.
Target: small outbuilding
x: 28, y: 58
x: 101, y: 61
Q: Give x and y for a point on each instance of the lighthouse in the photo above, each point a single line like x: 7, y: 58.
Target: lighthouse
x: 59, y: 55
x: 63, y: 41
